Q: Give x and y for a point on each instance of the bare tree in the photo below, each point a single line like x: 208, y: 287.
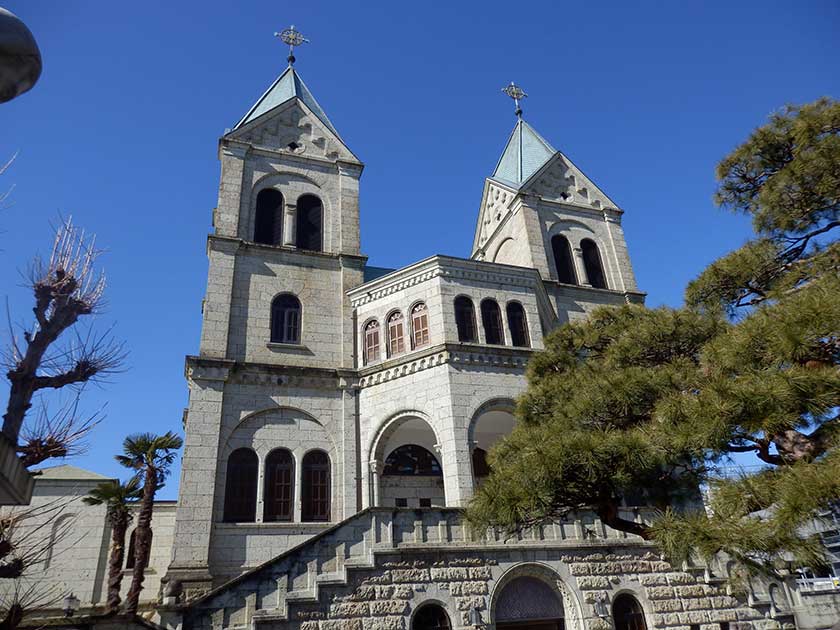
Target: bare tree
x: 66, y: 287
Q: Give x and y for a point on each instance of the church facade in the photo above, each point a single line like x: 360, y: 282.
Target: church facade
x: 340, y: 414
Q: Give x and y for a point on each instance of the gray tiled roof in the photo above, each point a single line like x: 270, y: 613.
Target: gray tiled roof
x: 287, y: 86
x: 526, y: 152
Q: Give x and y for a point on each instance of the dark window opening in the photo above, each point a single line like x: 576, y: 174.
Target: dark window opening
x: 293, y: 146
x: 316, y: 487
x: 401, y: 502
x: 563, y: 259
x: 431, y: 617
x: 132, y: 550
x: 518, y: 325
x: 268, y: 219
x: 309, y: 223
x: 465, y: 319
x: 491, y: 320
x: 479, y: 461
x: 411, y: 460
x: 278, y: 494
x: 627, y: 613
x: 425, y: 503
x: 285, y: 319
x: 241, y: 487
x: 592, y: 264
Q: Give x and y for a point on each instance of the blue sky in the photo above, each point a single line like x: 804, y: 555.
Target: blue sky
x: 121, y: 133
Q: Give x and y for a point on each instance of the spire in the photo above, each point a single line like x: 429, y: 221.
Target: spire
x: 288, y: 85
x: 526, y: 152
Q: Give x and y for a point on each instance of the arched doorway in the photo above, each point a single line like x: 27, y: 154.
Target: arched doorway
x: 407, y: 466
x: 627, y: 613
x: 492, y: 422
x: 529, y: 603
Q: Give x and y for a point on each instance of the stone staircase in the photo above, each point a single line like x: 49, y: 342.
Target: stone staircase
x: 268, y: 595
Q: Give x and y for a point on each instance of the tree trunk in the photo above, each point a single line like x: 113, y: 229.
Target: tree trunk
x: 13, y: 618
x: 142, y: 540
x: 115, y: 562
x: 607, y: 511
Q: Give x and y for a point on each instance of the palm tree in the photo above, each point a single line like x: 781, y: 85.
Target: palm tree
x: 150, y: 456
x: 116, y: 497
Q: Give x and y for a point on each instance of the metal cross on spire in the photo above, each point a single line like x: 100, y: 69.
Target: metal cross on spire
x: 517, y: 94
x: 293, y: 38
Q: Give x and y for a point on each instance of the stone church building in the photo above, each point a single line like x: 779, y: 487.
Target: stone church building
x: 340, y: 414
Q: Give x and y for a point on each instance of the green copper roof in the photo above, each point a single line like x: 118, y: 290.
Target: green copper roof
x: 288, y: 85
x: 526, y: 153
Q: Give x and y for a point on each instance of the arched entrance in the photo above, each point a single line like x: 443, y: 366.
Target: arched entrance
x: 406, y: 467
x: 628, y: 613
x: 492, y: 422
x: 529, y: 603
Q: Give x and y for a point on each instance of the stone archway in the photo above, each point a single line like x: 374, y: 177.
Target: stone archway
x: 406, y: 467
x: 493, y: 421
x: 529, y: 597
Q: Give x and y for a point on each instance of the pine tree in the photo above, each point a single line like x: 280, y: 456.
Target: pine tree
x: 659, y: 399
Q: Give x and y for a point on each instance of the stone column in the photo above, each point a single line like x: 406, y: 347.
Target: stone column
x: 341, y: 233
x: 194, y: 517
x: 580, y: 267
x: 215, y: 326
x: 374, y: 482
x: 350, y: 465
x: 290, y: 224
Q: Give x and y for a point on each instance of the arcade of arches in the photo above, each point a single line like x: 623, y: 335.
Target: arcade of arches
x: 406, y: 466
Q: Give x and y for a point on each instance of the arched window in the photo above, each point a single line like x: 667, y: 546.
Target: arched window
x: 491, y: 320
x: 627, y: 613
x: 592, y: 263
x: 316, y: 487
x: 430, y: 617
x: 132, y: 550
x: 371, y: 352
x: 241, y: 486
x: 268, y: 218
x: 285, y: 319
x: 563, y: 259
x: 396, y: 334
x: 411, y: 460
x: 479, y: 462
x: 279, y: 490
x: 465, y: 319
x: 518, y: 325
x: 420, y: 325
x: 309, y: 223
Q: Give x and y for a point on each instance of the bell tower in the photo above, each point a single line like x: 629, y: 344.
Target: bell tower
x: 277, y: 342
x: 539, y: 210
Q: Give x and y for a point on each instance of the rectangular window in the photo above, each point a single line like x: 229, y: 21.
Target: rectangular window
x: 291, y: 328
x: 425, y: 503
x: 401, y: 502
